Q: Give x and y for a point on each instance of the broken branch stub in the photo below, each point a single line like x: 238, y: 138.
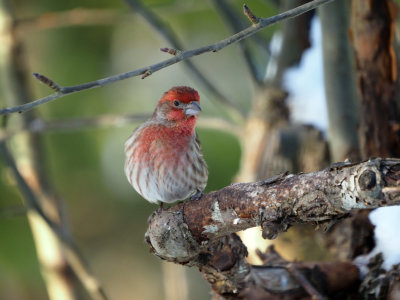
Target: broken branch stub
x: 181, y: 233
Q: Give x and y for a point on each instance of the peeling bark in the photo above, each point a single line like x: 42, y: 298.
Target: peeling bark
x: 201, y: 233
x: 180, y: 233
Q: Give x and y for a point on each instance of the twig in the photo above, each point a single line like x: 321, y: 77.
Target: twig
x: 74, y: 257
x: 233, y: 21
x: 239, y: 24
x: 39, y: 125
x: 264, y: 22
x: 169, y: 35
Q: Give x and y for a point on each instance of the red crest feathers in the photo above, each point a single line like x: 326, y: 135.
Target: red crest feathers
x: 184, y: 94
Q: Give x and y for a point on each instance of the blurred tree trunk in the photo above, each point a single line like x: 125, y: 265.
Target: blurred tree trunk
x: 339, y: 81
x: 341, y: 98
x: 29, y: 156
x: 372, y: 32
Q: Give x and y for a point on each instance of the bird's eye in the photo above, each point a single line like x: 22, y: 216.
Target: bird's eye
x: 176, y: 103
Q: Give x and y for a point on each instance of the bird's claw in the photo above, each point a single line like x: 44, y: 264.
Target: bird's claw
x: 160, y: 208
x: 197, y: 196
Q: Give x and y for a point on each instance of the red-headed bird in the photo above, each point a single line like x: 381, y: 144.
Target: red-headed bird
x: 164, y: 161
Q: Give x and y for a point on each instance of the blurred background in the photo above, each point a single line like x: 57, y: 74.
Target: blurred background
x: 76, y: 148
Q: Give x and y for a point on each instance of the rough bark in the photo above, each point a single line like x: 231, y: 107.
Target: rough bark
x: 181, y: 232
x: 201, y: 233
x: 372, y: 32
x: 231, y: 277
x: 339, y: 80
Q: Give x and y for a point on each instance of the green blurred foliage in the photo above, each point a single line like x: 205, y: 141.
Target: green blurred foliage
x: 106, y: 216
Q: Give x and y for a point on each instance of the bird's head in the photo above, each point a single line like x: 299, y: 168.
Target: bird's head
x: 180, y: 103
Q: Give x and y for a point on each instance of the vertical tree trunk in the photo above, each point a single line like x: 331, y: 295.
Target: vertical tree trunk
x: 372, y: 31
x: 339, y: 81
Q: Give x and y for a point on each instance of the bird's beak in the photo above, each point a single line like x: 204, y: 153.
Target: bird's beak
x: 192, y: 109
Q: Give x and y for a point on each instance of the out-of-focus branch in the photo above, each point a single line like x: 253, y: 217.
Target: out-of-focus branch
x: 181, y: 232
x: 264, y: 22
x: 169, y: 35
x: 338, y: 71
x: 74, y: 17
x: 39, y: 125
x: 60, y: 280
x: 234, y: 22
x: 74, y: 258
x: 45, y: 210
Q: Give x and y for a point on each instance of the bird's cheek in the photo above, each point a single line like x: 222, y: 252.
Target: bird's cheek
x: 176, y: 115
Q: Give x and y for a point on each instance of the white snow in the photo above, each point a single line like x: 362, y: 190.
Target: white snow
x: 387, y: 222
x: 305, y: 84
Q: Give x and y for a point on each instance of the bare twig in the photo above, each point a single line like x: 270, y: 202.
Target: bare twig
x: 264, y: 22
x: 233, y: 20
x: 169, y: 35
x: 74, y: 257
x: 39, y: 125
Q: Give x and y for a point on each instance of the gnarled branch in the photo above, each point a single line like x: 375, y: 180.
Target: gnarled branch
x: 181, y: 233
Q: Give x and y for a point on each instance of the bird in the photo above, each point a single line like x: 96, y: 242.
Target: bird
x: 164, y: 161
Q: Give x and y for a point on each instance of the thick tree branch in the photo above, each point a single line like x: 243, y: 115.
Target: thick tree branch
x: 264, y: 22
x: 182, y: 232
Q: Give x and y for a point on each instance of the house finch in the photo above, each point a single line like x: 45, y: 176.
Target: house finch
x: 164, y: 161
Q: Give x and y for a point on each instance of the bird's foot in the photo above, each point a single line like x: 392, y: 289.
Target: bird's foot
x: 160, y: 208
x: 197, y: 196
